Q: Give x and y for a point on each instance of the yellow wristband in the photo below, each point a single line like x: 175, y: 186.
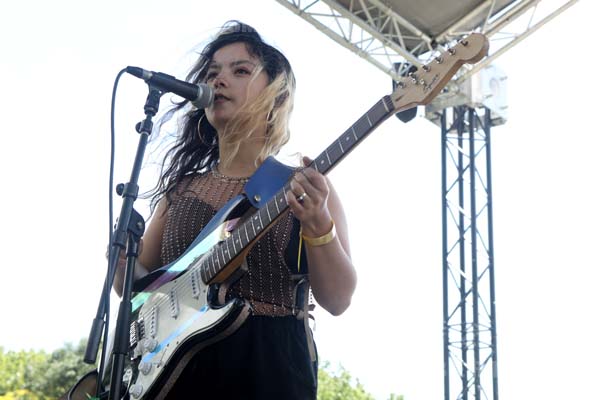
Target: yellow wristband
x: 321, y: 240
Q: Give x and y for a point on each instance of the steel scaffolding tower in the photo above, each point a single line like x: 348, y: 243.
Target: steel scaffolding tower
x: 468, y: 255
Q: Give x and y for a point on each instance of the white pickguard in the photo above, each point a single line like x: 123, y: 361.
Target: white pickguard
x: 174, y: 313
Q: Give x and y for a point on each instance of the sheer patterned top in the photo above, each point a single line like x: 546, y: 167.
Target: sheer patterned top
x: 269, y: 283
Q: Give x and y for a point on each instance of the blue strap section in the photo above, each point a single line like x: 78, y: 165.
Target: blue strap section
x: 268, y: 179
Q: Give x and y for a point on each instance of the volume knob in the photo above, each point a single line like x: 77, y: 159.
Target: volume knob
x: 148, y: 345
x: 136, y: 390
x: 145, y: 367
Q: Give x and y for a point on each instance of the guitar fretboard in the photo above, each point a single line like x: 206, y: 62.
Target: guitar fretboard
x: 252, y: 228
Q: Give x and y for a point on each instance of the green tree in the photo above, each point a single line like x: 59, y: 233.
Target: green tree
x: 62, y: 369
x: 395, y: 397
x: 21, y: 394
x: 339, y: 385
x: 37, y: 375
x: 17, y: 370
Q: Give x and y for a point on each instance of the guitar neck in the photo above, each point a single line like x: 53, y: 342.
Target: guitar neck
x: 343, y: 145
x: 254, y: 227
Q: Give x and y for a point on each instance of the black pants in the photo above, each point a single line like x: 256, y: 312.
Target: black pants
x: 266, y: 358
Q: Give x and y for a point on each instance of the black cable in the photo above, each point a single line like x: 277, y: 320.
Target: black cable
x: 107, y: 289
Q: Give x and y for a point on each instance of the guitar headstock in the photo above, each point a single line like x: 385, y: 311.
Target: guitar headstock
x: 424, y: 84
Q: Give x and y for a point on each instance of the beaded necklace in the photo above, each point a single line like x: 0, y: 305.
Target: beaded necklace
x: 215, y: 173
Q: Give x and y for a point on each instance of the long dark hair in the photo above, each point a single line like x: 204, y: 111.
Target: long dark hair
x: 196, y: 147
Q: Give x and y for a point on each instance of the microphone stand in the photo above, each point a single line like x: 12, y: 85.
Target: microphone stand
x: 127, y: 234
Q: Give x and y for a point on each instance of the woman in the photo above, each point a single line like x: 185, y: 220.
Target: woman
x: 218, y: 149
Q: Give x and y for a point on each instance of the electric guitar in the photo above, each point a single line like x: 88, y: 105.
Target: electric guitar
x: 181, y: 308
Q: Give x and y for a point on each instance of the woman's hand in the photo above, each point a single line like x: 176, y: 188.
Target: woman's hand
x: 308, y: 200
x: 315, y: 203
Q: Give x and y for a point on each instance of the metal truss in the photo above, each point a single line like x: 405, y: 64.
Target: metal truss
x: 374, y: 31
x: 363, y: 37
x: 470, y: 348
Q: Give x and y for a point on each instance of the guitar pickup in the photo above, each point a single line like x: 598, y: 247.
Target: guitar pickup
x: 195, y: 283
x: 174, y: 303
x: 153, y: 321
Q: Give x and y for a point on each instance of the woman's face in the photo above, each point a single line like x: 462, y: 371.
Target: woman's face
x: 231, y: 74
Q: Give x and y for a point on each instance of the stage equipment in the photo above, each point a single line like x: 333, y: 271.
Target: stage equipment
x: 469, y: 309
x: 126, y: 236
x: 200, y: 95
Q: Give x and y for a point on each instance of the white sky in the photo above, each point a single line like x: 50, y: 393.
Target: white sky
x: 58, y: 60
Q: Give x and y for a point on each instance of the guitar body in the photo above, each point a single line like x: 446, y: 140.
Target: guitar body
x: 178, y: 314
x: 188, y: 323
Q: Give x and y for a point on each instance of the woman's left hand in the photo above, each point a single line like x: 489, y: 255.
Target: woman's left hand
x: 308, y: 200
x: 331, y: 273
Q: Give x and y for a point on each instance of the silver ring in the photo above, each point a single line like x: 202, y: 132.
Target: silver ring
x: 301, y: 197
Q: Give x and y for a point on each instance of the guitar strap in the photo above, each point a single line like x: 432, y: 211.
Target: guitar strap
x: 296, y: 252
x: 268, y: 179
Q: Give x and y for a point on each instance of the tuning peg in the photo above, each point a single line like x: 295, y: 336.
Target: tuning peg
x: 452, y: 51
x: 426, y: 68
x: 464, y: 42
x: 439, y: 59
x: 413, y: 77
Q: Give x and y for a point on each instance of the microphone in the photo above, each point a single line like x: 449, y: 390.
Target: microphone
x: 200, y: 95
